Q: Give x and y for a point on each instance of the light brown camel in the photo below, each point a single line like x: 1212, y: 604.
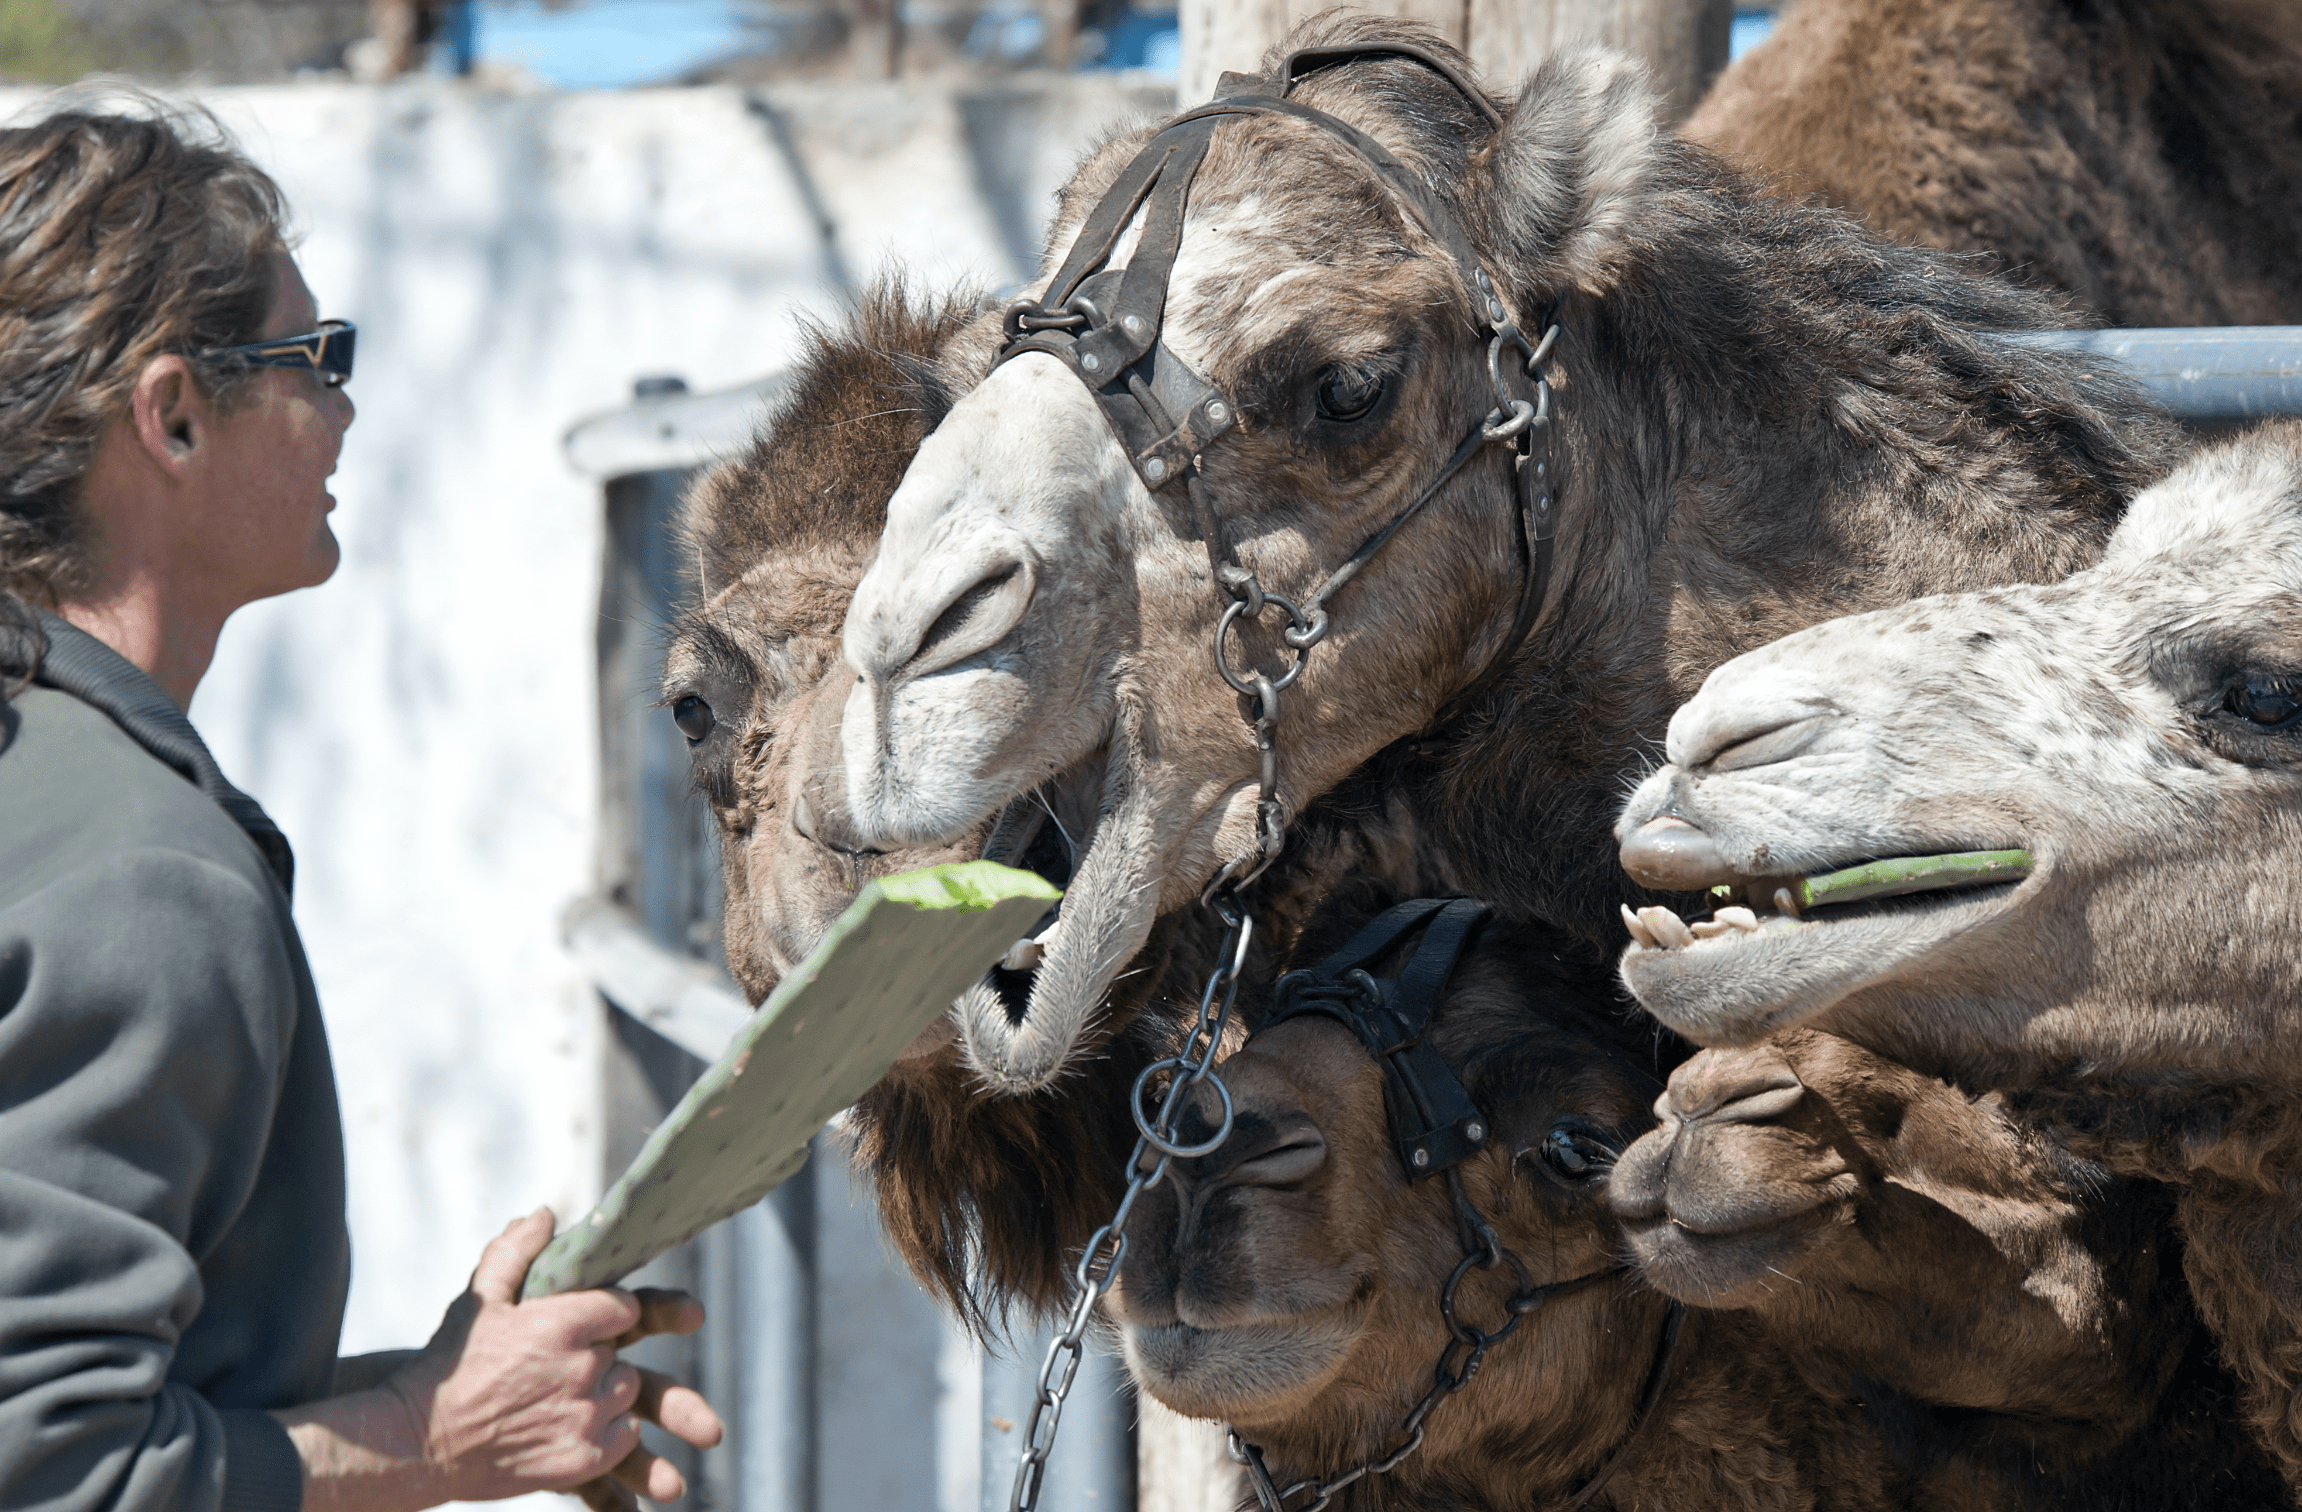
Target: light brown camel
x: 1766, y: 416
x: 985, y: 1192
x: 2140, y: 156
x: 2137, y: 730
x: 2017, y: 1316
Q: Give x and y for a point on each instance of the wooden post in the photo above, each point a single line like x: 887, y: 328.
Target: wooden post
x: 1683, y: 41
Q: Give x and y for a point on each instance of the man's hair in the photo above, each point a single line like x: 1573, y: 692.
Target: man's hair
x: 129, y: 229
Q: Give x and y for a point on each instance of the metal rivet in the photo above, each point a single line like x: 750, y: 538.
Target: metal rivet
x: 1155, y: 469
x: 1091, y: 362
x: 1476, y: 1130
x: 1422, y: 1159
x: 1218, y: 411
x: 1134, y: 325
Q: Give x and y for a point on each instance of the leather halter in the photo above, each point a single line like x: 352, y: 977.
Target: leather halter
x: 1434, y: 1123
x: 1104, y: 325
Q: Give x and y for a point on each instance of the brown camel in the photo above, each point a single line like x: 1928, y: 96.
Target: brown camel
x: 1765, y: 416
x: 1288, y: 1283
x: 2140, y: 156
x: 1975, y: 1321
x: 2134, y: 737
x: 2014, y: 1316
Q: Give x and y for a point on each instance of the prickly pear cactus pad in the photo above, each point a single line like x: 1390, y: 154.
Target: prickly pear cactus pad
x: 904, y: 949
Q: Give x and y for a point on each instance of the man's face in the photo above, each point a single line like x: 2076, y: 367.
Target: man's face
x: 264, y: 511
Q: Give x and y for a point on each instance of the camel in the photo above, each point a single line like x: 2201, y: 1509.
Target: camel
x: 1288, y: 1282
x: 985, y: 1189
x: 1765, y: 416
x: 2126, y: 738
x: 2138, y: 157
x: 2030, y: 1352
x: 2018, y: 1312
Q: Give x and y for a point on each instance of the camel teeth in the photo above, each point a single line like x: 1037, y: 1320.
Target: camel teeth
x: 1670, y: 931
x: 1784, y: 901
x: 1023, y: 955
x: 1707, y: 929
x: 1639, y: 931
x: 1736, y: 916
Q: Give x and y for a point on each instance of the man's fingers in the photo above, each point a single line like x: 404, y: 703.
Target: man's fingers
x: 605, y: 1494
x: 619, y: 1387
x: 679, y: 1410
x: 503, y: 1266
x: 651, y: 1475
x: 662, y: 1312
x: 574, y: 1320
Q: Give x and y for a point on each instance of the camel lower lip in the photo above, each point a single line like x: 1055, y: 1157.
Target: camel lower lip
x: 1222, y: 1371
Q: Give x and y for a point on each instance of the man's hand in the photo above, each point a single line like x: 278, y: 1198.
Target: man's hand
x: 510, y: 1397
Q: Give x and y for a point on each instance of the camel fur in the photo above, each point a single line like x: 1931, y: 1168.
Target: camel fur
x: 2137, y: 157
x: 2137, y: 730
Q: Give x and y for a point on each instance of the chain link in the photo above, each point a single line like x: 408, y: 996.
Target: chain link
x: 1099, y: 1263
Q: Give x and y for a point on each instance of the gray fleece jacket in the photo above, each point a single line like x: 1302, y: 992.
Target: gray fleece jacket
x: 173, y: 1256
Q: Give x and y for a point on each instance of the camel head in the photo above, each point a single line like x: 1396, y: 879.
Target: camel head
x: 1288, y: 1281
x: 2135, y: 731
x: 1040, y: 615
x: 753, y: 676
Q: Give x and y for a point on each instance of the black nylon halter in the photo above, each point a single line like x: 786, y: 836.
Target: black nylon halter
x: 1104, y: 324
x: 1434, y: 1123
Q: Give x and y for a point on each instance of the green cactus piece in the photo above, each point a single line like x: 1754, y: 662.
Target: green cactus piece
x: 1910, y: 874
x: 904, y: 949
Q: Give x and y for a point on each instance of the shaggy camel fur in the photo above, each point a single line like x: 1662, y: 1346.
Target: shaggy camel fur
x: 1288, y: 1283
x: 2139, y: 156
x: 2010, y: 1316
x: 2138, y: 730
x: 1766, y: 416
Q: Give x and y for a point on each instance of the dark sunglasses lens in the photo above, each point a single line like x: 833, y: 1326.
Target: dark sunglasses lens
x: 336, y: 352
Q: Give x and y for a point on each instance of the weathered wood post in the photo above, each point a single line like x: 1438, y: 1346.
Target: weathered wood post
x: 1683, y: 41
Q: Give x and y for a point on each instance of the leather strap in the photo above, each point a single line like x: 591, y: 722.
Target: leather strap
x: 1433, y: 1121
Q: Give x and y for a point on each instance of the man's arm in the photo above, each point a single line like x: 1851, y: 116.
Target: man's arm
x: 147, y: 1007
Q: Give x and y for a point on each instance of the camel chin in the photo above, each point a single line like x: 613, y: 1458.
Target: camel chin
x: 1244, y: 1374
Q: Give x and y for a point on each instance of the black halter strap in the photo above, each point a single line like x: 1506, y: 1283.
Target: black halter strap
x: 1433, y: 1120
x: 1104, y: 324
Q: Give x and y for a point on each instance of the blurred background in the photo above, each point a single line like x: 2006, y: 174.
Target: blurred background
x: 587, y: 216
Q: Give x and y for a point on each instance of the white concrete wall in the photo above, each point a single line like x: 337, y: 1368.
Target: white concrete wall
x: 423, y: 726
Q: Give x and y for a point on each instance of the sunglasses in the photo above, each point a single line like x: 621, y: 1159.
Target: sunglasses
x: 326, y: 352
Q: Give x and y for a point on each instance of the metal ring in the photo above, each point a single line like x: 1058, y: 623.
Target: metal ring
x: 1522, y: 416
x: 1231, y: 614
x: 1160, y: 1142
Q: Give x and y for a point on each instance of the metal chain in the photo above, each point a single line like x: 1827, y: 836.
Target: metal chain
x: 1451, y: 1374
x: 1099, y: 1264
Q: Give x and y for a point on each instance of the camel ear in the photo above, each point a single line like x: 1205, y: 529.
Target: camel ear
x: 1575, y: 163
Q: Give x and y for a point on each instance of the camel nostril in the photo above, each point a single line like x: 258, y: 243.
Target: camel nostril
x: 977, y: 619
x: 1671, y: 855
x: 1302, y: 1154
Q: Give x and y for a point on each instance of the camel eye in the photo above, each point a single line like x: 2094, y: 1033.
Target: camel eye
x: 693, y: 716
x: 1574, y: 1153
x: 2268, y: 703
x: 1346, y: 395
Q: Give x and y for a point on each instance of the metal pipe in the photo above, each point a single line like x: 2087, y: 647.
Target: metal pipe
x: 2204, y: 375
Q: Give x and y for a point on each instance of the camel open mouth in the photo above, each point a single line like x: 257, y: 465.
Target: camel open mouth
x: 1785, y: 904
x: 1044, y: 832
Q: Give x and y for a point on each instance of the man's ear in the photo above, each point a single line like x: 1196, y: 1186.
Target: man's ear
x: 1574, y: 165
x: 170, y: 413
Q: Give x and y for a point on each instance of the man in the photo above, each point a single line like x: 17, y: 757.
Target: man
x: 173, y: 1253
